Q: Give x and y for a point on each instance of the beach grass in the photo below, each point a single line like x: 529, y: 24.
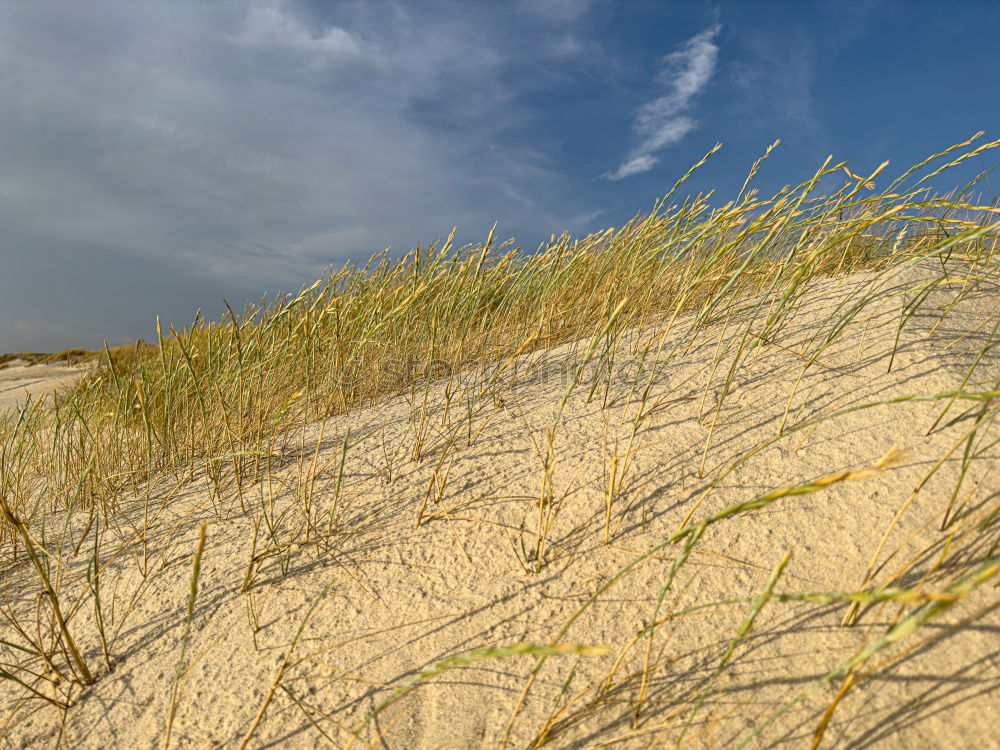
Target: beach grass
x: 229, y: 406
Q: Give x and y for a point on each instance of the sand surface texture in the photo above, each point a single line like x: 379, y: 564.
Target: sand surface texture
x: 393, y: 598
x: 20, y: 379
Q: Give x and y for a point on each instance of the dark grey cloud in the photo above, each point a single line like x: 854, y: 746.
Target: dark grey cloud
x: 161, y: 154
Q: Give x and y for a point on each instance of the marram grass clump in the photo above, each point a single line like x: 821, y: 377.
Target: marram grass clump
x: 245, y: 415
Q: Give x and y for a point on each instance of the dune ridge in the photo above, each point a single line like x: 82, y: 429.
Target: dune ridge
x: 462, y: 578
x: 721, y: 478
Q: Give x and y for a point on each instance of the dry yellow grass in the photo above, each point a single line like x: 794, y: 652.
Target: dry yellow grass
x: 369, y: 414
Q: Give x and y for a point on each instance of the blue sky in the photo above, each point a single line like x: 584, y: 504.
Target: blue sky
x: 158, y: 156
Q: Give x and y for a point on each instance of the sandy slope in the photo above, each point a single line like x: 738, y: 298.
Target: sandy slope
x: 18, y: 380
x: 403, y: 598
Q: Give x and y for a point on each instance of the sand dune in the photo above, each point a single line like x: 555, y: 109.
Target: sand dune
x: 400, y: 597
x: 20, y: 379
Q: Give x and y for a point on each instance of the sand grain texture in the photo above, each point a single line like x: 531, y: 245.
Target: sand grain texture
x: 403, y: 598
x: 20, y: 379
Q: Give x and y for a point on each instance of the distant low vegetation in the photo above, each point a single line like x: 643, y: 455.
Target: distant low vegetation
x: 68, y: 356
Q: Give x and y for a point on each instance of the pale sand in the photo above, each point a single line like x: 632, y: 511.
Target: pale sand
x: 19, y: 379
x: 404, y: 598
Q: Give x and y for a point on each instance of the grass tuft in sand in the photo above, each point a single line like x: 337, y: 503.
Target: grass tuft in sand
x: 370, y: 512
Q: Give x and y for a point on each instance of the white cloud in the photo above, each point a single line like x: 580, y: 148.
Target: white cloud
x: 659, y: 123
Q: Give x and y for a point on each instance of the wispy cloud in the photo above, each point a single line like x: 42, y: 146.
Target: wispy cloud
x: 267, y: 24
x: 661, y: 122
x: 776, y: 82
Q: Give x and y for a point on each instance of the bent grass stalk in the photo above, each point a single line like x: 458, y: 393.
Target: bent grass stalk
x: 926, y: 612
x: 888, y: 460
x: 221, y: 402
x: 286, y: 662
x: 192, y: 597
x: 745, y: 626
x: 69, y: 642
x: 477, y: 655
